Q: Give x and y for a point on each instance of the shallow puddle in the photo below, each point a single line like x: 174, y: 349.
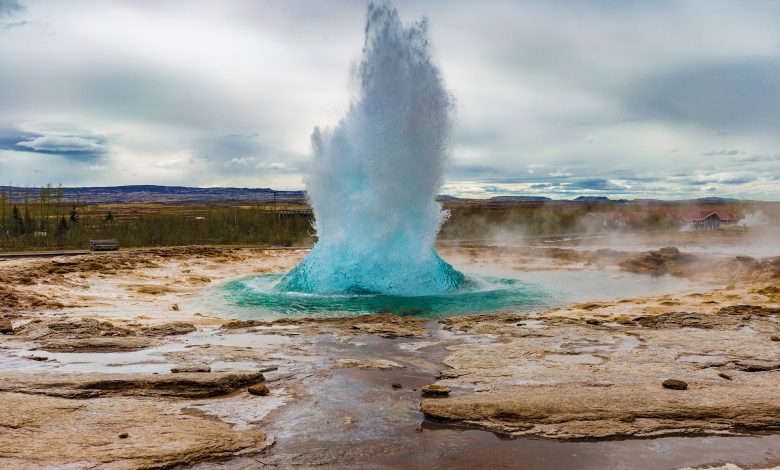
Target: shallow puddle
x: 148, y: 360
x: 703, y: 358
x: 446, y: 448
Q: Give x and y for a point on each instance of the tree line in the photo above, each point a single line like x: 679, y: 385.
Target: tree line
x: 45, y: 219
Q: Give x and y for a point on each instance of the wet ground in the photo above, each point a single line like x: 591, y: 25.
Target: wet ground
x: 347, y: 393
x: 357, y: 419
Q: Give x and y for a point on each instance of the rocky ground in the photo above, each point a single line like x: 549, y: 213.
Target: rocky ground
x: 107, y: 361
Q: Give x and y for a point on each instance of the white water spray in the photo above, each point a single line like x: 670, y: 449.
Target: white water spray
x: 375, y: 176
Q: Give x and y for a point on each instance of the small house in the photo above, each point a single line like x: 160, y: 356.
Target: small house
x: 707, y: 220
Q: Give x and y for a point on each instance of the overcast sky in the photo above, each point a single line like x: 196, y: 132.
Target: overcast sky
x: 622, y: 98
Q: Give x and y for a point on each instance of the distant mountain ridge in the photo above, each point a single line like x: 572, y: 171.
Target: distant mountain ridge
x: 151, y: 194
x: 161, y: 194
x: 521, y: 198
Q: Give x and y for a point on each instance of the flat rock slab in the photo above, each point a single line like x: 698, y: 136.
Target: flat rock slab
x: 115, y: 433
x: 93, y: 385
x: 434, y: 390
x: 185, y: 368
x: 110, y: 344
x: 382, y: 364
x: 572, y: 411
x: 168, y: 329
x: 71, y: 328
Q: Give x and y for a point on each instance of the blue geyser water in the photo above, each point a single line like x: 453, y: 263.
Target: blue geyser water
x: 375, y: 176
x: 266, y: 296
x: 373, y: 184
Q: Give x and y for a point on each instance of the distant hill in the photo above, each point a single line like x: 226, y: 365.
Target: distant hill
x: 520, y: 198
x: 162, y: 194
x: 153, y: 194
x: 715, y: 200
x: 592, y: 199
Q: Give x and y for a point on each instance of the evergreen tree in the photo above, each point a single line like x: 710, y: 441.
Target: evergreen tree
x: 16, y: 221
x: 29, y: 225
x: 109, y: 217
x: 74, y: 215
x: 62, y: 228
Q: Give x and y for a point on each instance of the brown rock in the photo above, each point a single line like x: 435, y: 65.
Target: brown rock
x: 666, y: 260
x: 572, y: 411
x: 190, y: 368
x: 673, y: 320
x: 388, y: 325
x: 198, y: 280
x: 240, y: 324
x: 33, y: 357
x: 71, y: 329
x: 434, y: 390
x: 757, y: 365
x: 153, y: 290
x: 163, y: 436
x: 775, y: 338
x: 382, y: 364
x: 397, y: 386
x: 98, y: 344
x: 674, y: 384
x: 91, y: 385
x: 169, y: 329
x: 669, y: 251
x: 757, y: 310
x: 260, y: 390
x: 5, y: 327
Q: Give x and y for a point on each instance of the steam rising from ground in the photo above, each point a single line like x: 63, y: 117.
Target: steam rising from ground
x: 376, y: 174
x: 754, y: 219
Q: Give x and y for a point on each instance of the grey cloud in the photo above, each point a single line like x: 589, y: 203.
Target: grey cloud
x: 599, y: 184
x: 13, y: 24
x: 639, y: 178
x: 69, y: 146
x: 704, y: 180
x: 739, y: 96
x: 529, y: 94
x: 760, y: 158
x: 10, y: 8
x: 469, y: 171
x: 738, y: 180
x: 720, y: 152
x: 63, y: 143
x: 242, y: 154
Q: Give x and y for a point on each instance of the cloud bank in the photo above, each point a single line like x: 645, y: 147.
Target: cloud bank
x: 661, y: 99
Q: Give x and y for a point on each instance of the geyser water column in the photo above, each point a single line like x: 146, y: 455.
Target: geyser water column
x: 373, y: 185
x: 375, y: 176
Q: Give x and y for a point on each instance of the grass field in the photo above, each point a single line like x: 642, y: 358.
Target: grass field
x: 47, y: 223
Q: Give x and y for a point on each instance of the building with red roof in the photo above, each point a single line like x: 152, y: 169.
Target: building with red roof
x: 707, y: 220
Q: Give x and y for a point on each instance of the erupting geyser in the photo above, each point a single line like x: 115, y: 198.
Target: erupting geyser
x: 373, y: 185
x: 375, y: 176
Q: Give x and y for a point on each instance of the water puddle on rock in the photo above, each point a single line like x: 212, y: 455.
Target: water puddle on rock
x: 158, y: 359
x: 703, y: 358
x: 351, y: 418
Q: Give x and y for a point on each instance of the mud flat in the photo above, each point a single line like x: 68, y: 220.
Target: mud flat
x: 119, y: 350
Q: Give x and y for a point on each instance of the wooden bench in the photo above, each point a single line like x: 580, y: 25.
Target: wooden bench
x: 103, y: 245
